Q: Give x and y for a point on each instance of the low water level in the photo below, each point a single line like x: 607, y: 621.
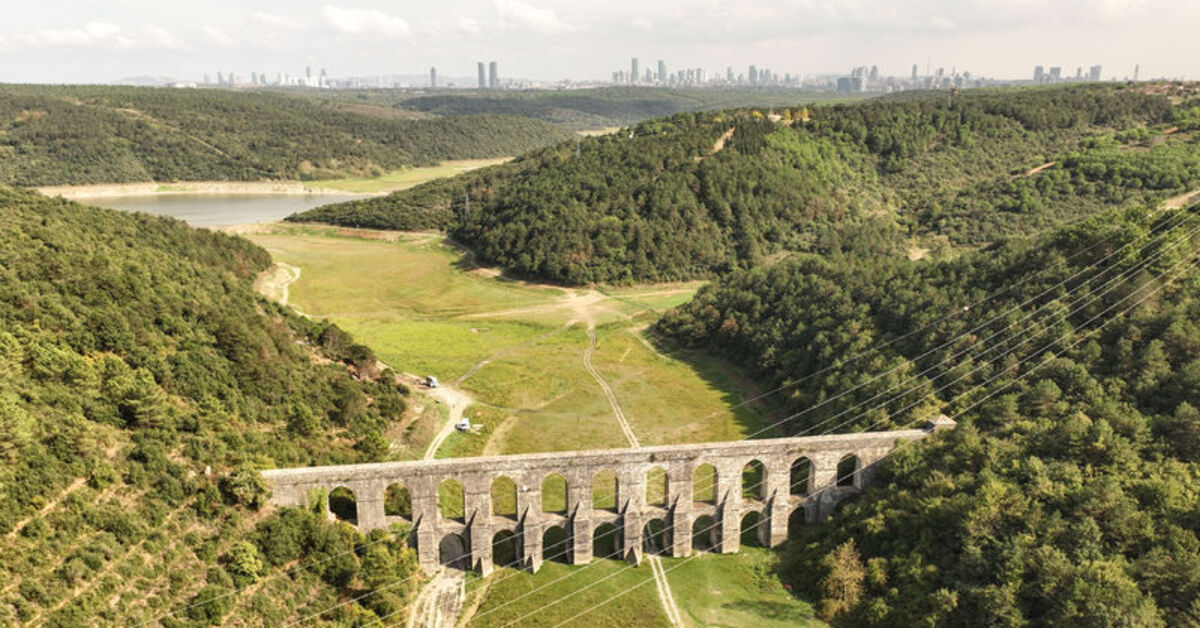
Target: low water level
x: 216, y: 210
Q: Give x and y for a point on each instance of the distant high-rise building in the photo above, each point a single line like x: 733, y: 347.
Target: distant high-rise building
x: 662, y: 71
x: 633, y: 70
x: 482, y: 76
x: 1079, y: 73
x: 753, y: 74
x: 1039, y: 74
x: 874, y: 73
x: 1094, y: 73
x: 308, y: 71
x: 914, y: 74
x: 1055, y: 73
x: 493, y: 75
x: 433, y: 77
x: 1137, y: 69
x: 729, y: 75
x: 207, y: 79
x: 220, y: 79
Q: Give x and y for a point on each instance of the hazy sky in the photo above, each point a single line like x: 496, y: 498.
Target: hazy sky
x: 98, y: 41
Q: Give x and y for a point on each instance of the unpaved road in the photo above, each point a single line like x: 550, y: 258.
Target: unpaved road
x: 273, y: 283
x: 439, y: 602
x: 664, y: 591
x: 1175, y: 202
x: 608, y: 392
x: 457, y: 401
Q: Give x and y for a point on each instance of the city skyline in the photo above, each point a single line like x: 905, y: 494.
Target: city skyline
x: 551, y: 40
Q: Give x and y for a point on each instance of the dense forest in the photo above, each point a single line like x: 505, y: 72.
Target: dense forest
x: 143, y: 385
x: 1067, y: 495
x: 577, y: 109
x: 79, y: 135
x: 701, y: 194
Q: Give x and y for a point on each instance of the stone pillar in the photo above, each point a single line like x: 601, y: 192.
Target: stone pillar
x: 729, y: 508
x: 824, y: 493
x: 632, y: 483
x: 778, y: 469
x: 529, y: 513
x: 368, y: 499
x: 680, y: 500
x: 579, y: 512
x: 425, y: 517
x: 477, y: 504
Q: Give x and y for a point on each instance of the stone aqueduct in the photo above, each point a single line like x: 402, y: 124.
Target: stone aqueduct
x: 794, y: 480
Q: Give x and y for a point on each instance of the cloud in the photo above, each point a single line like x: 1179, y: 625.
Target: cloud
x: 518, y: 15
x: 101, y: 35
x: 470, y: 25
x: 217, y: 36
x: 353, y: 21
x: 278, y: 21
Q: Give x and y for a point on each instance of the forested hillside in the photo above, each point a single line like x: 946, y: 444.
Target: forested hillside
x: 578, y: 109
x: 78, y: 135
x: 700, y: 194
x: 1068, y: 493
x: 143, y: 384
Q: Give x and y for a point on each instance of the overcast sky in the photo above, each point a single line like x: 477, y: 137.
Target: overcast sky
x: 101, y: 41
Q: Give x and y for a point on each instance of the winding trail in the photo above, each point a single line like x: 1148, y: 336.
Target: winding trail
x: 608, y: 392
x: 457, y: 401
x: 664, y: 592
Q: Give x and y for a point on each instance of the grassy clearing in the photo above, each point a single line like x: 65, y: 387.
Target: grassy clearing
x: 516, y: 347
x: 588, y: 586
x: 407, y: 177
x: 735, y: 590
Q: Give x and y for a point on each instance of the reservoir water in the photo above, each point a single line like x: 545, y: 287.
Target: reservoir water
x: 217, y: 210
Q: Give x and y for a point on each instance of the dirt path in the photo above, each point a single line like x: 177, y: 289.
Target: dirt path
x: 439, y: 602
x: 71, y: 488
x: 457, y: 401
x: 1041, y: 168
x: 273, y: 283
x: 720, y: 143
x: 1175, y: 202
x: 664, y: 592
x: 608, y: 392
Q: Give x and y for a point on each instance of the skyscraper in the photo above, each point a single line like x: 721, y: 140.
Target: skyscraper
x: 662, y: 71
x: 482, y: 76
x: 1055, y: 73
x: 433, y: 77
x: 753, y: 75
x: 1094, y: 73
x: 633, y: 70
x: 914, y: 74
x: 493, y: 75
x: 1039, y: 73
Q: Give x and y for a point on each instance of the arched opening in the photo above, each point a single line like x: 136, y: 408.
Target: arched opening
x: 656, y: 487
x: 452, y: 552
x: 605, y: 490
x: 796, y: 522
x: 554, y: 494
x: 704, y: 484
x: 754, y: 476
x: 450, y: 500
x: 555, y: 544
x: 847, y: 471
x: 504, y: 496
x: 801, y: 477
x: 506, y: 549
x: 752, y: 529
x: 606, y: 541
x: 397, y: 501
x: 343, y: 505
x: 656, y: 537
x: 704, y: 534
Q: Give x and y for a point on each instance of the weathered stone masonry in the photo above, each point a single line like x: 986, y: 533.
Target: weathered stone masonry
x: 780, y: 499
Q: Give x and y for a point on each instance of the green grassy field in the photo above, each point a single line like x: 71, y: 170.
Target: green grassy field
x: 516, y: 347
x: 407, y: 177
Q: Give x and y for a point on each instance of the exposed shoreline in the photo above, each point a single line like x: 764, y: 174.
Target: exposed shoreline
x: 106, y: 190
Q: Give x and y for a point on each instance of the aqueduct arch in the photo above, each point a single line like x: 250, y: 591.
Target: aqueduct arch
x: 607, y: 506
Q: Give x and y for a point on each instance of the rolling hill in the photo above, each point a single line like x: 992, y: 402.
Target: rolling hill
x: 82, y: 135
x: 700, y: 194
x: 144, y: 384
